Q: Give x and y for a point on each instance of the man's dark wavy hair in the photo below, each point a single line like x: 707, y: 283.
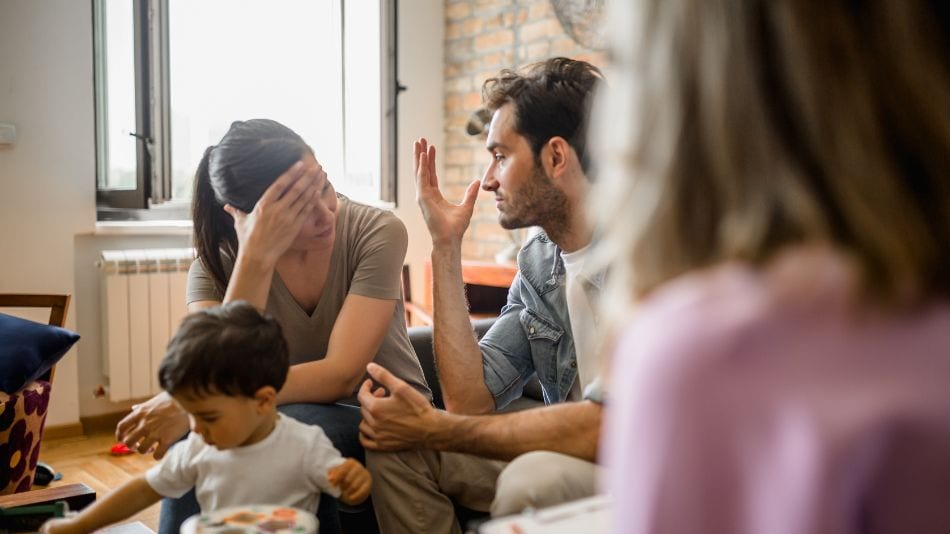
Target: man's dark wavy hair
x: 551, y: 98
x: 228, y: 350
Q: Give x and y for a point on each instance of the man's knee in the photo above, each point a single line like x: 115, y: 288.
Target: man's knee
x: 541, y: 479
x: 389, y: 465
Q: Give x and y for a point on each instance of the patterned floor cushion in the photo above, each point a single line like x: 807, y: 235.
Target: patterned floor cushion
x: 22, y: 416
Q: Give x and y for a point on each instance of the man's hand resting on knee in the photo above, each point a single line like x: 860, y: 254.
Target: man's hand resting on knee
x: 399, y: 421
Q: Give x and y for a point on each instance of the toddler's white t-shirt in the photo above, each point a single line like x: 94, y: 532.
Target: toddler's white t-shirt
x: 288, y: 467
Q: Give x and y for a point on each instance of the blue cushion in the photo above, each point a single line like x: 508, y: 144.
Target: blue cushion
x: 28, y: 349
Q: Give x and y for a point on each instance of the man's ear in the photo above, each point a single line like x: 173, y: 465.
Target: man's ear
x: 266, y: 398
x: 556, y: 156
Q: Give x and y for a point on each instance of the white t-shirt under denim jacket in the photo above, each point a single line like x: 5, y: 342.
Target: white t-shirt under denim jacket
x: 288, y: 467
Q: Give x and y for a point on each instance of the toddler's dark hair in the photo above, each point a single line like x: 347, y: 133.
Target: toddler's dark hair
x: 227, y: 350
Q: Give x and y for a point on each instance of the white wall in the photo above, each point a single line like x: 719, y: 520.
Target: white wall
x: 47, y: 180
x: 47, y: 187
x: 421, y: 112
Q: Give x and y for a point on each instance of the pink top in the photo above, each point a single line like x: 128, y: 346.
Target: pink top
x: 756, y: 402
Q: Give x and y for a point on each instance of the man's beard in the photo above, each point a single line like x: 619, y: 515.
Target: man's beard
x: 537, y: 203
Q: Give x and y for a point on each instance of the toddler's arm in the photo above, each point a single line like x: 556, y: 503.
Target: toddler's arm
x: 130, y: 498
x: 353, y: 480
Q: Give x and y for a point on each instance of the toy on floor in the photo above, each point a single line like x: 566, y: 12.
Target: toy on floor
x: 120, y: 449
x: 45, y: 474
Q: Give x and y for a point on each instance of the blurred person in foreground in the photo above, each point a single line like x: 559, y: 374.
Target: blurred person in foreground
x: 776, y: 208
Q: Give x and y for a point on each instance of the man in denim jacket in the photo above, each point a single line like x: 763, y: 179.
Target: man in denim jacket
x: 421, y: 457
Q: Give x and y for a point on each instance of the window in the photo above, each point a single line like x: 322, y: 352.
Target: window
x: 171, y: 76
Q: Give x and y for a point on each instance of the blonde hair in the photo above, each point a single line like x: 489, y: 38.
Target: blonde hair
x: 733, y: 128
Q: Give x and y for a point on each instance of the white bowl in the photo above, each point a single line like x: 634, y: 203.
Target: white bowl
x: 263, y: 519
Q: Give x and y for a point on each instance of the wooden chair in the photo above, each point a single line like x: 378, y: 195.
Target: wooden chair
x: 58, y: 306
x: 28, y: 406
x: 415, y: 314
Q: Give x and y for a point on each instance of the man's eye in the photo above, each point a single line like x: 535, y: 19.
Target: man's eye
x: 209, y: 419
x: 499, y: 157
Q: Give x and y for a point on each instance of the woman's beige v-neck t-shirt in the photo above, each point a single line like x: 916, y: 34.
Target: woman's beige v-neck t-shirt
x: 367, y: 260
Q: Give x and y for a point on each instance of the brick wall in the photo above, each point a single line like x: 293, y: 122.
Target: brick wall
x: 481, y: 38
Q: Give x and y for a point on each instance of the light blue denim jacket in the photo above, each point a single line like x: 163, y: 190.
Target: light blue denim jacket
x: 533, y: 332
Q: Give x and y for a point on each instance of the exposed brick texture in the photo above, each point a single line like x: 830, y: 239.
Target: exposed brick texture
x: 481, y: 38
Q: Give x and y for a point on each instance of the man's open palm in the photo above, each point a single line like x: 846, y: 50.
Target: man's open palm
x: 446, y: 221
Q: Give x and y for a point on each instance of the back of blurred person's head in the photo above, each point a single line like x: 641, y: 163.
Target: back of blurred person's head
x: 733, y: 128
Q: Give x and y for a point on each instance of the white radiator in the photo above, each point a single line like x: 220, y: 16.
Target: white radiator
x: 142, y: 303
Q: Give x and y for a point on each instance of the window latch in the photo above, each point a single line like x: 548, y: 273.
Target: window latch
x: 141, y: 137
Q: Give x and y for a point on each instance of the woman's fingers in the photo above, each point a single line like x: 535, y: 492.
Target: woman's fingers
x: 144, y: 445
x: 127, y: 424
x: 297, y: 193
x: 276, y: 220
x: 132, y: 437
x: 161, y: 447
x: 235, y: 213
x: 282, y: 183
x: 308, y: 200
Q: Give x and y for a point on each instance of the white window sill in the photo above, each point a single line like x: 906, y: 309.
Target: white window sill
x: 143, y: 228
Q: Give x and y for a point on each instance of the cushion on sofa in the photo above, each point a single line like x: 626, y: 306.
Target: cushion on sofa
x: 22, y: 415
x: 28, y: 350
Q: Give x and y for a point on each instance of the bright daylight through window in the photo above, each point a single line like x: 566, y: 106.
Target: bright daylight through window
x: 171, y: 76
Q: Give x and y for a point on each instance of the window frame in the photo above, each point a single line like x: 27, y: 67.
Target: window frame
x: 123, y: 199
x: 151, y: 197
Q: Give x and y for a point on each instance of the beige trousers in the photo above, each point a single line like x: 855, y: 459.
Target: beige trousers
x: 413, y: 491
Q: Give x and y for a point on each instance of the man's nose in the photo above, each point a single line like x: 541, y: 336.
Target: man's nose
x: 488, y: 180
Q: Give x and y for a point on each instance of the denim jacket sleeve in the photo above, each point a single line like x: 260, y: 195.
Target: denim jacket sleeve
x: 506, y: 350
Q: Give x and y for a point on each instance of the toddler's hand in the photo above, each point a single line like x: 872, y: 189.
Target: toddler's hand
x: 353, y: 480
x: 61, y: 526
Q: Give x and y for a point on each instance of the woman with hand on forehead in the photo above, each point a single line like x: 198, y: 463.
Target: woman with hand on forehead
x: 271, y: 230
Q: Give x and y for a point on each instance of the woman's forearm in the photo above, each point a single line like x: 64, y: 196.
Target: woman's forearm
x: 250, y: 280
x: 317, y: 382
x: 358, y: 332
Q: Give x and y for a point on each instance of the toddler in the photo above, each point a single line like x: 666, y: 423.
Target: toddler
x: 224, y: 367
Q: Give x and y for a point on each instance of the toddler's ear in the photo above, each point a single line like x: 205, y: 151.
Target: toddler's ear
x: 266, y: 398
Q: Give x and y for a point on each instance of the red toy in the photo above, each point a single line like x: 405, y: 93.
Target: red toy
x: 120, y: 449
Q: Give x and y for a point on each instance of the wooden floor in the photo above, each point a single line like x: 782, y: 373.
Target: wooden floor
x: 87, y: 460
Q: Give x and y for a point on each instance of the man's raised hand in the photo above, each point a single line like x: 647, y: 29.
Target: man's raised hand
x: 446, y: 221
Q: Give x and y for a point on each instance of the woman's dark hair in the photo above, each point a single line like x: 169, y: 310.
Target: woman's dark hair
x: 237, y: 171
x: 227, y: 350
x: 551, y: 98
